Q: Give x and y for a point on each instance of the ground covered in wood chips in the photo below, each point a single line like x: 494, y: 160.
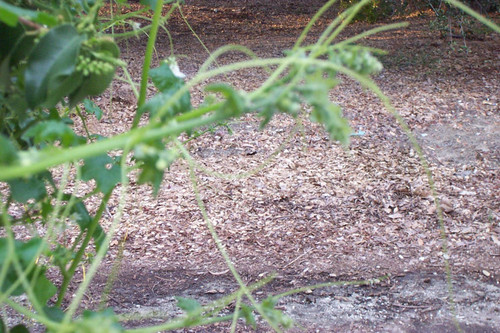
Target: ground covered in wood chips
x: 318, y: 212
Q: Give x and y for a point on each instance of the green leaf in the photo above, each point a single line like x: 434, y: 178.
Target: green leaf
x: 44, y: 289
x: 168, y: 84
x: 92, y: 108
x: 23, y: 189
x: 51, y: 67
x: 19, y: 329
x: 247, y: 313
x: 83, y: 219
x: 26, y: 253
x: 105, y: 170
x: 51, y: 131
x: 3, y: 328
x: 54, y: 313
x: 154, y: 162
x: 235, y: 103
x: 9, y: 14
x: 188, y: 305
x: 152, y: 3
x: 336, y: 125
x: 8, y: 153
x: 98, y: 322
x: 274, y: 315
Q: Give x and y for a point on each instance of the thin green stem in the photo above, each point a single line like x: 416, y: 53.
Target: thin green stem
x: 308, y: 27
x: 331, y: 284
x: 84, y: 122
x: 489, y: 23
x: 218, y: 242
x: 236, y: 314
x: 39, y: 317
x: 148, y: 56
x: 351, y: 12
x: 81, y: 251
x: 204, y: 311
x: 105, y: 244
x: 210, y: 56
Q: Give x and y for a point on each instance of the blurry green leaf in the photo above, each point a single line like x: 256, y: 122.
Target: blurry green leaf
x: 155, y: 159
x: 234, y: 104
x: 53, y: 313
x: 92, y: 108
x: 23, y: 189
x: 9, y: 14
x: 9, y: 37
x: 276, y: 316
x: 105, y: 170
x: 356, y: 59
x: 316, y: 92
x: 8, y: 153
x: 83, y: 219
x: 168, y: 84
x: 187, y: 304
x: 152, y: 3
x: 98, y: 322
x: 19, y: 329
x: 43, y: 289
x: 51, y: 131
x: 330, y: 115
x: 247, y: 313
x: 26, y: 253
x: 50, y: 66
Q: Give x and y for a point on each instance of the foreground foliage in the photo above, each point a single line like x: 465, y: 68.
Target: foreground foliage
x: 56, y: 58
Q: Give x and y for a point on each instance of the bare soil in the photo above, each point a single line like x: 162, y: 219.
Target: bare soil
x: 318, y: 212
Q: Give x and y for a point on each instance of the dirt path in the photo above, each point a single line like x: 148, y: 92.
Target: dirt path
x: 318, y: 212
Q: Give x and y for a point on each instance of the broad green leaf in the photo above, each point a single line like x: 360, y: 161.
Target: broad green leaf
x: 8, y: 153
x: 27, y: 251
x: 23, y: 189
x: 164, y: 79
x: 9, y: 14
x: 187, y: 304
x: 7, y: 17
x: 104, y: 170
x: 274, y: 315
x: 92, y: 108
x: 44, y: 289
x: 50, y: 64
x: 53, y: 313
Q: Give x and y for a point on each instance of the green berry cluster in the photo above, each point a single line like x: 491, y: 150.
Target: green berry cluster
x: 88, y: 66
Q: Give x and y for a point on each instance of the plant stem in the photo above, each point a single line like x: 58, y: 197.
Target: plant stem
x: 147, y: 58
x: 78, y: 257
